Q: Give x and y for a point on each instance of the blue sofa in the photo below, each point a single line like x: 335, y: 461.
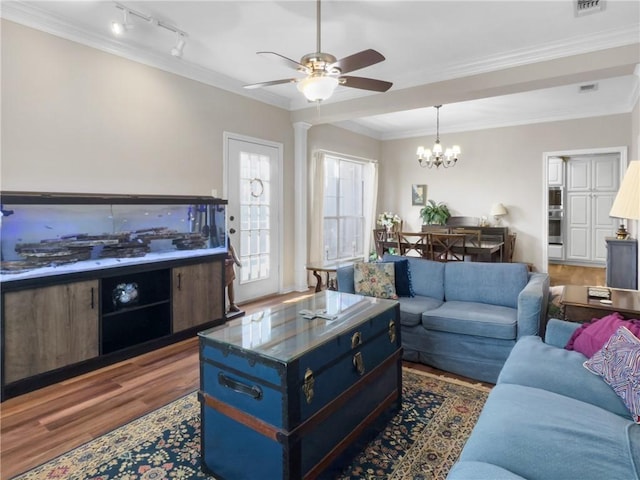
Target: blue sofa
x: 550, y: 418
x: 466, y: 317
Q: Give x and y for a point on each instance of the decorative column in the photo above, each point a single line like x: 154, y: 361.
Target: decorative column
x: 301, y: 190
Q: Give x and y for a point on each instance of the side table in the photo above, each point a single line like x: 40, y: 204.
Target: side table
x: 329, y: 269
x: 577, y: 306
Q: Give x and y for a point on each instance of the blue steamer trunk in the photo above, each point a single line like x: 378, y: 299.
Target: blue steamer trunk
x: 282, y: 396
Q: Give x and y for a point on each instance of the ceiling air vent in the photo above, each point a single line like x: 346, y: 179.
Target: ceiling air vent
x: 589, y: 87
x: 584, y: 7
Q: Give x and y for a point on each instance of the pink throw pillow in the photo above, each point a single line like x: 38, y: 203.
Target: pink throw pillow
x: 590, y: 337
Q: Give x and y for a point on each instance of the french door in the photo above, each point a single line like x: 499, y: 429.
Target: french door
x: 253, y: 189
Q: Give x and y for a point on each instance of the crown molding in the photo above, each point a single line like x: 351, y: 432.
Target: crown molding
x: 601, y: 40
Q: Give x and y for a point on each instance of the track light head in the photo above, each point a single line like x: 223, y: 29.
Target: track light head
x: 179, y: 47
x: 118, y: 28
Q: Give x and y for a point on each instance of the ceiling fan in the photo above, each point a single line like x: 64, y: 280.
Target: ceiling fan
x: 325, y: 72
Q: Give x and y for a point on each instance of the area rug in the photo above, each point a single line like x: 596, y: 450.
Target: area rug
x: 421, y: 442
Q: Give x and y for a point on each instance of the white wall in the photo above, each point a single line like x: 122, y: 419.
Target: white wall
x: 329, y: 137
x: 76, y: 119
x: 497, y: 165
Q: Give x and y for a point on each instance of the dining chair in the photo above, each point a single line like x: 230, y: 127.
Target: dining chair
x: 413, y: 243
x: 379, y: 237
x: 495, y: 239
x: 447, y: 247
x: 472, y: 240
x: 512, y: 246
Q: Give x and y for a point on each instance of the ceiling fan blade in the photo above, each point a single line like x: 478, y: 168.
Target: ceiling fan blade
x: 365, y: 83
x: 271, y: 83
x: 359, y: 60
x: 286, y: 61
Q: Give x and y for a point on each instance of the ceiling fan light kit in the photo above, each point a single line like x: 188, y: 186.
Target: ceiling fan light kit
x: 435, y: 157
x: 325, y: 72
x: 317, y: 88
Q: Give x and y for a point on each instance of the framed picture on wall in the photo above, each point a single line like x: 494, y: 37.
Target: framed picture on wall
x: 418, y: 195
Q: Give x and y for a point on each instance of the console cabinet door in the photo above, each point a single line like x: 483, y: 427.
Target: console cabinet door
x: 198, y: 295
x: 50, y: 327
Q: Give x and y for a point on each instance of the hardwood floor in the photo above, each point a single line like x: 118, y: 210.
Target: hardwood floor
x: 570, y: 275
x: 39, y: 426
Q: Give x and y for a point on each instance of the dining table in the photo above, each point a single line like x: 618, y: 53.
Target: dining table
x: 490, y: 250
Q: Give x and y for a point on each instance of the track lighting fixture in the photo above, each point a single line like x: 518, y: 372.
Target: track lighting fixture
x: 118, y: 28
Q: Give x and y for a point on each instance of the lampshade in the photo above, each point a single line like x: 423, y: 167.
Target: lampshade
x: 498, y: 210
x: 318, y: 88
x: 627, y: 201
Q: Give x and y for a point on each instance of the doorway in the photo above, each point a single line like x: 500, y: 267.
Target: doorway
x: 253, y: 188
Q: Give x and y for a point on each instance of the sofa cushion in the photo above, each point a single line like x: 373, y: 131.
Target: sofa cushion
x: 533, y: 363
x: 541, y: 435
x: 403, y: 277
x: 491, y: 283
x: 427, y: 276
x: 590, y: 337
x: 471, y: 318
x: 618, y: 362
x: 412, y: 308
x: 375, y: 279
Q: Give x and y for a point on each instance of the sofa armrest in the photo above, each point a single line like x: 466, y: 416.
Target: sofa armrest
x: 344, y: 277
x: 559, y: 332
x: 532, y: 304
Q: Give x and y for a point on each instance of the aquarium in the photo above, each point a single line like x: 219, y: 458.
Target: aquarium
x: 53, y: 234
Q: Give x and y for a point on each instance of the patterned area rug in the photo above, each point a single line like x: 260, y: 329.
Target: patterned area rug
x: 420, y: 442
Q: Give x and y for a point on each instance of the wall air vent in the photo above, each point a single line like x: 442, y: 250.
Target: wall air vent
x: 589, y: 87
x: 585, y: 7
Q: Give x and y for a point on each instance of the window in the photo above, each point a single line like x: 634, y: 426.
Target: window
x: 343, y: 213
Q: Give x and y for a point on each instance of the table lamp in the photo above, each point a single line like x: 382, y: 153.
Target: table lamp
x: 627, y: 202
x: 498, y: 210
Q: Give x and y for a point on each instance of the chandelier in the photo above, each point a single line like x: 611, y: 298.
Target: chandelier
x: 435, y: 157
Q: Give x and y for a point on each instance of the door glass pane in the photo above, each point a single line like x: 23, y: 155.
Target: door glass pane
x: 255, y: 225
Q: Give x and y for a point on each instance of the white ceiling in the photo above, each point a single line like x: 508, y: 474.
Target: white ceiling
x: 424, y: 42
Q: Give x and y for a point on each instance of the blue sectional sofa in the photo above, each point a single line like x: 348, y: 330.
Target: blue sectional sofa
x: 465, y: 317
x: 550, y: 418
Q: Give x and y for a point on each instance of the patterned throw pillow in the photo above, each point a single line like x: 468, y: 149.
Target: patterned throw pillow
x: 375, y: 280
x: 618, y: 362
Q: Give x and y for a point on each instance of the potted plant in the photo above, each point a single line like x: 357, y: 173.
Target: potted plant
x: 434, y: 213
